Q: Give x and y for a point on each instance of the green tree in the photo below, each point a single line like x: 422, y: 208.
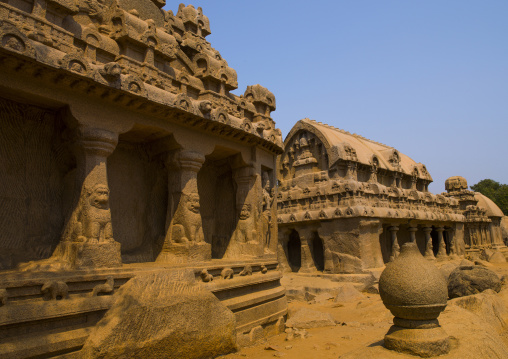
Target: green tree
x: 496, y: 191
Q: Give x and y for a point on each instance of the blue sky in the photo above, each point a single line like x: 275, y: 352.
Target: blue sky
x: 429, y: 78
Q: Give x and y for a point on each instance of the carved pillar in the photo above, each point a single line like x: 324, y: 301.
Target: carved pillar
x: 452, y: 243
x: 412, y: 233
x: 441, y: 254
x: 488, y: 237
x: 87, y: 240
x: 184, y: 239
x: 245, y: 240
x: 308, y: 265
x: 395, y: 243
x: 429, y: 250
x: 496, y: 234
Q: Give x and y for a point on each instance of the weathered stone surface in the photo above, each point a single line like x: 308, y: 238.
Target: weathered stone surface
x: 483, y: 263
x: 465, y: 281
x: 348, y: 293
x: 447, y: 267
x: 345, y: 263
x: 497, y: 257
x: 486, y: 254
x: 466, y: 263
x: 163, y: 315
x: 306, y: 318
x: 487, y: 305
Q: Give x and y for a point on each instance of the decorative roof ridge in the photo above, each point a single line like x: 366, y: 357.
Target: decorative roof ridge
x: 348, y: 133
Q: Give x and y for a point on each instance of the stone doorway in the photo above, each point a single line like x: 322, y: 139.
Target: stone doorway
x: 294, y: 251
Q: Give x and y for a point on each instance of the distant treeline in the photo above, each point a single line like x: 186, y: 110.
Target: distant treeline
x: 496, y: 191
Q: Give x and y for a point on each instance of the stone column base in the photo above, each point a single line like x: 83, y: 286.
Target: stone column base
x: 425, y: 342
x: 238, y: 250
x: 86, y: 255
x: 180, y: 254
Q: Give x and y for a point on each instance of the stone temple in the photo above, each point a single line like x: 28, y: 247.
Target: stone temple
x: 124, y: 155
x: 148, y: 212
x: 346, y: 204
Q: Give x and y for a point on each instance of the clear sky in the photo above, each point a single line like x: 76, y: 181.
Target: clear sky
x: 429, y: 78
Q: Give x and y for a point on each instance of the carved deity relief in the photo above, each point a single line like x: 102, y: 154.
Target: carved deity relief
x: 186, y: 226
x: 91, y: 221
x: 267, y: 201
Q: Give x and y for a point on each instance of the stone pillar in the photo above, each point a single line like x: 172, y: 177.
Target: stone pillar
x: 245, y: 240
x: 412, y: 233
x: 441, y: 254
x: 488, y: 237
x: 429, y: 250
x: 395, y: 243
x: 87, y: 240
x: 453, y: 243
x: 308, y: 265
x: 184, y: 240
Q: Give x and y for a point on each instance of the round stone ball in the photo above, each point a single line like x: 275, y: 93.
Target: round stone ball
x: 411, y: 287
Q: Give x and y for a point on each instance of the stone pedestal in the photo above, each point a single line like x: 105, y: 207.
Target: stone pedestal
x: 86, y: 255
x: 181, y: 254
x: 415, y: 292
x: 417, y: 337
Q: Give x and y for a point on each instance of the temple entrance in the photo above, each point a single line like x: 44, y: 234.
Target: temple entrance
x: 318, y: 252
x: 294, y: 251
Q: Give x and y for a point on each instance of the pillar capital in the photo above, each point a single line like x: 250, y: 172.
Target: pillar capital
x: 190, y: 160
x: 94, y: 141
x: 393, y: 228
x: 440, y: 229
x: 412, y: 228
x: 427, y: 229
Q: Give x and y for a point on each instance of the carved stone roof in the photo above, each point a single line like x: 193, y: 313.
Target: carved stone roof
x: 338, y: 142
x: 135, y: 54
x: 492, y: 210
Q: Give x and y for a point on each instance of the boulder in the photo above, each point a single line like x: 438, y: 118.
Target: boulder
x: 466, y: 263
x: 163, y: 315
x: 488, y: 305
x: 472, y: 280
x: 348, y: 293
x: 497, y: 257
x: 486, y: 254
x: 306, y: 318
x: 447, y: 268
x: 483, y: 263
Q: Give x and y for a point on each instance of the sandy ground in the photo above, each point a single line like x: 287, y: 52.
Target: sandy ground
x: 359, y: 324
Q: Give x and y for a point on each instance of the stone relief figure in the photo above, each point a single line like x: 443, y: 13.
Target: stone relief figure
x: 267, y: 202
x: 187, y: 226
x: 245, y: 230
x: 55, y: 290
x: 92, y: 219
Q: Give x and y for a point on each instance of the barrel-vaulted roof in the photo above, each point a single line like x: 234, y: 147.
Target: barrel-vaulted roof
x: 492, y: 210
x: 337, y: 142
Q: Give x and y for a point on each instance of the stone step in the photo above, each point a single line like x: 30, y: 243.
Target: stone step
x: 45, y: 345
